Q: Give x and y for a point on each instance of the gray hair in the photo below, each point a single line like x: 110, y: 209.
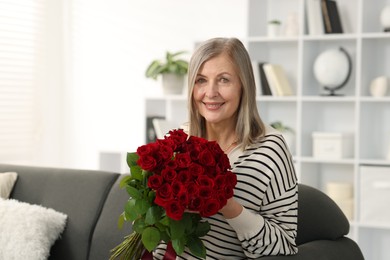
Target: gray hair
x: 249, y: 126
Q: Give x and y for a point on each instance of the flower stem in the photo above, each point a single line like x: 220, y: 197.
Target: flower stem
x: 130, y: 248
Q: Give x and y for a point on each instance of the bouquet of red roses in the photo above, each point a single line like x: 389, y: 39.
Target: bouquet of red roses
x: 174, y: 182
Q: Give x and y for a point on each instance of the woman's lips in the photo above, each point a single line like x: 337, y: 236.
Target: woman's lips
x: 213, y: 106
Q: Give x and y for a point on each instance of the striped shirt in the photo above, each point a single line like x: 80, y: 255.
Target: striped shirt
x: 267, y: 189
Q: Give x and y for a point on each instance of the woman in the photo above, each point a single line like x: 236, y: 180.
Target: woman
x: 261, y: 218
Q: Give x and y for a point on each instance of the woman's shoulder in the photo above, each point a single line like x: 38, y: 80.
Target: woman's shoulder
x: 271, y: 139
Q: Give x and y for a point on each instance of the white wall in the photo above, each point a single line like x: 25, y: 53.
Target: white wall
x: 110, y: 44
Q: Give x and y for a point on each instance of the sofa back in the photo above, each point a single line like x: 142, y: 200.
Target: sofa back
x: 81, y: 194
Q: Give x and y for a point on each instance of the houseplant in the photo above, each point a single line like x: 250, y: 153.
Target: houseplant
x: 273, y: 28
x: 287, y: 132
x: 172, y: 69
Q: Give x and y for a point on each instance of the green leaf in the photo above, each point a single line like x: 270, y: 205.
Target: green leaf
x: 124, y: 181
x: 136, y: 172
x: 202, y: 229
x: 196, y: 247
x: 139, y: 225
x: 150, y: 238
x: 121, y: 220
x: 178, y: 245
x: 130, y: 212
x: 141, y: 206
x: 153, y: 215
x: 133, y: 192
x: 132, y: 159
x: 177, y: 228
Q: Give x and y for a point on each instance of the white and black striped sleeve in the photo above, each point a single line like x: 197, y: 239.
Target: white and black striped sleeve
x: 267, y: 188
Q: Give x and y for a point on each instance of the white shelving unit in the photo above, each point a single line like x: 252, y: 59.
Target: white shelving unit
x: 355, y: 112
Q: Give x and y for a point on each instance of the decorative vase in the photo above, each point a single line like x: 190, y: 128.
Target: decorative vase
x: 292, y: 28
x: 385, y: 18
x: 172, y: 84
x: 273, y: 29
x: 378, y: 86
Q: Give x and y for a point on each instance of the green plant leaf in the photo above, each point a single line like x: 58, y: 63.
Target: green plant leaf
x: 153, y: 215
x: 202, y: 229
x: 150, y: 238
x: 124, y: 181
x: 177, y: 228
x: 132, y: 159
x: 130, y: 212
x: 121, y: 220
x: 139, y: 225
x: 133, y: 192
x: 141, y: 206
x: 196, y: 247
x: 179, y: 245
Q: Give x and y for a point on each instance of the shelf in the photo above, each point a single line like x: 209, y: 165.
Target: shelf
x: 356, y: 112
x: 327, y: 161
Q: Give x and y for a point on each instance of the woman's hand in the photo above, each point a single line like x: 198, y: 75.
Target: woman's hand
x: 232, y: 209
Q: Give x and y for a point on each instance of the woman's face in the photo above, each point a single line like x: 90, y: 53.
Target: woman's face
x: 217, y: 91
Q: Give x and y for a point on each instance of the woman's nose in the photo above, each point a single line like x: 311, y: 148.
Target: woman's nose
x: 212, y: 89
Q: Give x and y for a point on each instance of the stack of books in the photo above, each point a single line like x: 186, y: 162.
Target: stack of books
x: 271, y: 79
x: 323, y: 17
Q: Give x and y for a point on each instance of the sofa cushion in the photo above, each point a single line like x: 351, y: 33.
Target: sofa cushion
x: 7, y: 181
x: 28, y: 231
x: 319, y: 217
x: 80, y: 194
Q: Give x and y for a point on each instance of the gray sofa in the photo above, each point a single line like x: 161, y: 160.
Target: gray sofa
x: 93, y: 202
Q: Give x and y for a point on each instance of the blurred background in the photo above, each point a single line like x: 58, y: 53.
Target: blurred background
x: 72, y: 73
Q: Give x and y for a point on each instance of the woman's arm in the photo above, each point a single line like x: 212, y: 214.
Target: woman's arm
x: 267, y: 189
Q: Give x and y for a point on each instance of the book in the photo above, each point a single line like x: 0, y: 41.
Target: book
x: 150, y: 131
x: 162, y: 127
x: 334, y: 17
x: 265, y: 89
x: 256, y: 75
x: 277, y: 79
x: 314, y: 17
x: 331, y: 17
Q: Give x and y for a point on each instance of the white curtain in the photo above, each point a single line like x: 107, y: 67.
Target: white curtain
x: 21, y: 69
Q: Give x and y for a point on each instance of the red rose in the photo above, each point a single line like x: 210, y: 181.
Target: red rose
x: 147, y: 162
x: 195, y: 204
x: 205, y: 192
x: 183, y: 197
x: 222, y: 199
x: 163, y: 194
x: 177, y: 188
x: 205, y: 181
x: 168, y: 174
x: 195, y: 170
x: 231, y: 179
x: 174, y: 209
x: 228, y: 192
x: 147, y: 149
x: 184, y: 176
x: 206, y: 158
x: 210, y: 207
x: 155, y: 181
x: 165, y: 152
x: 220, y: 182
x: 178, y: 136
x: 183, y: 160
x: 192, y: 189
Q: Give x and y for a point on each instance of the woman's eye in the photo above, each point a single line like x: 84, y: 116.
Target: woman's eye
x: 224, y: 80
x: 200, y: 81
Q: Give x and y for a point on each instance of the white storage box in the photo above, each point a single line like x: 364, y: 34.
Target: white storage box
x: 332, y: 145
x: 375, y: 194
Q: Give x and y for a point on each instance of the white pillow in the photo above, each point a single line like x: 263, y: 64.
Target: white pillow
x: 28, y: 231
x: 7, y: 181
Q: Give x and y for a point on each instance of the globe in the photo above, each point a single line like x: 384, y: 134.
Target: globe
x: 332, y: 69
